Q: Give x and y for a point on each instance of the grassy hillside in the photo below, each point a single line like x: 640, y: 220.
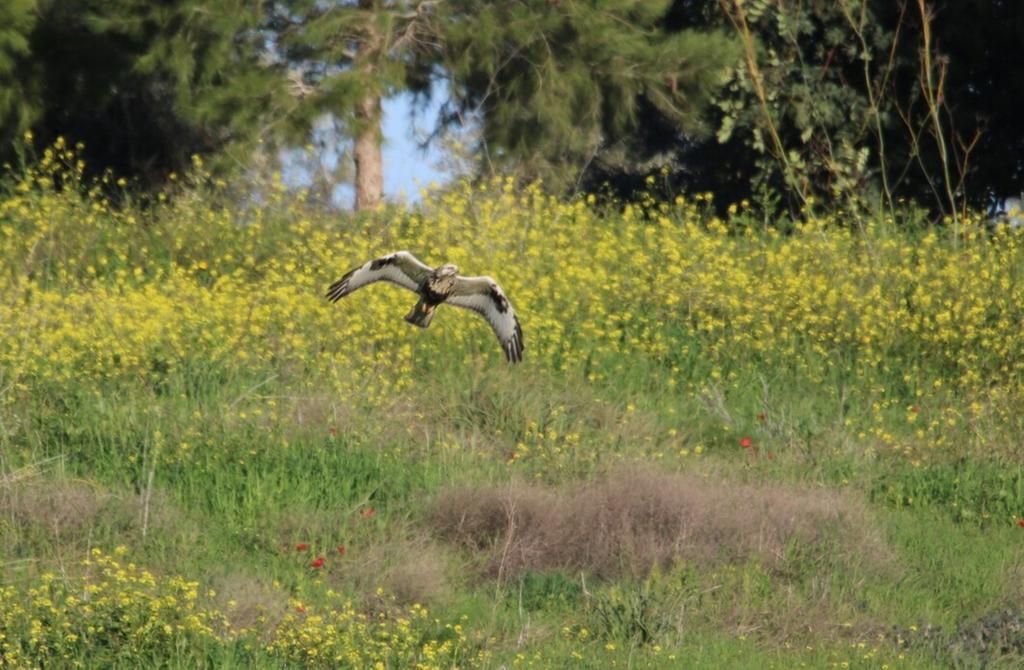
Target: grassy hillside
x: 728, y: 446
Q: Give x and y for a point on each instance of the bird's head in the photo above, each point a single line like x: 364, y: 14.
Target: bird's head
x: 448, y: 270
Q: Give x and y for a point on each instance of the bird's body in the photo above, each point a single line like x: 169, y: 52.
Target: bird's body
x: 435, y: 287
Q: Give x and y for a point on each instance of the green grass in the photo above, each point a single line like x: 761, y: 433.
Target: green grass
x: 216, y: 471
x: 253, y: 487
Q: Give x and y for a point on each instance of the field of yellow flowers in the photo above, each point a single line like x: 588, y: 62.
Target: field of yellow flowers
x: 179, y: 405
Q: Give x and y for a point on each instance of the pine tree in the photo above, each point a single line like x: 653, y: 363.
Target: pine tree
x: 19, y: 105
x: 144, y: 85
x: 248, y: 69
x: 562, y: 84
x: 213, y: 60
x: 351, y: 55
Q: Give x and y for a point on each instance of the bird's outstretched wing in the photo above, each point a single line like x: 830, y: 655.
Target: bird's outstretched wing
x: 400, y: 268
x: 485, y: 297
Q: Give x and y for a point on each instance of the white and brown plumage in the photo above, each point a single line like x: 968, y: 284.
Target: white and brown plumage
x: 437, y: 286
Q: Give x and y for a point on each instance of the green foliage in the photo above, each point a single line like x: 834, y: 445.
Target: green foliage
x: 821, y: 101
x: 839, y: 101
x: 560, y: 84
x: 214, y: 59
x: 17, y: 105
x: 807, y: 56
x: 539, y: 591
x: 143, y: 85
x: 800, y: 109
x: 369, y: 48
x: 970, y: 491
x: 644, y: 611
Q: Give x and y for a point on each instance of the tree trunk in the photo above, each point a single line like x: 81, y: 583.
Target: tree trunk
x: 368, y: 158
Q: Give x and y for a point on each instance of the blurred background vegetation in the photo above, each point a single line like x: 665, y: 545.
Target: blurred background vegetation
x: 864, y: 102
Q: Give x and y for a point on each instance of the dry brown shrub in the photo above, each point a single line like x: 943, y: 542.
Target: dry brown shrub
x: 635, y: 520
x: 249, y: 602
x: 75, y: 513
x: 409, y: 569
x: 56, y: 506
x: 318, y: 412
x: 65, y: 510
x: 416, y: 578
x: 513, y: 524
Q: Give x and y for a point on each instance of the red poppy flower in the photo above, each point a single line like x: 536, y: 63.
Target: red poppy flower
x: 318, y: 563
x: 746, y: 442
x: 1020, y: 522
x: 300, y: 609
x: 341, y: 549
x: 301, y: 546
x: 368, y: 512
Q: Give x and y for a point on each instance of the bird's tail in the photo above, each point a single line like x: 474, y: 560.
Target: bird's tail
x: 421, y: 314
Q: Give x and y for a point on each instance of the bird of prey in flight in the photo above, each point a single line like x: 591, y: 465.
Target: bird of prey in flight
x: 436, y: 286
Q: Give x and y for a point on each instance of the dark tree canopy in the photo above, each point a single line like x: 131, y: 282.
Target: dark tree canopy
x: 840, y: 77
x: 560, y: 85
x: 981, y: 42
x: 143, y: 85
x: 812, y: 100
x: 17, y: 89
